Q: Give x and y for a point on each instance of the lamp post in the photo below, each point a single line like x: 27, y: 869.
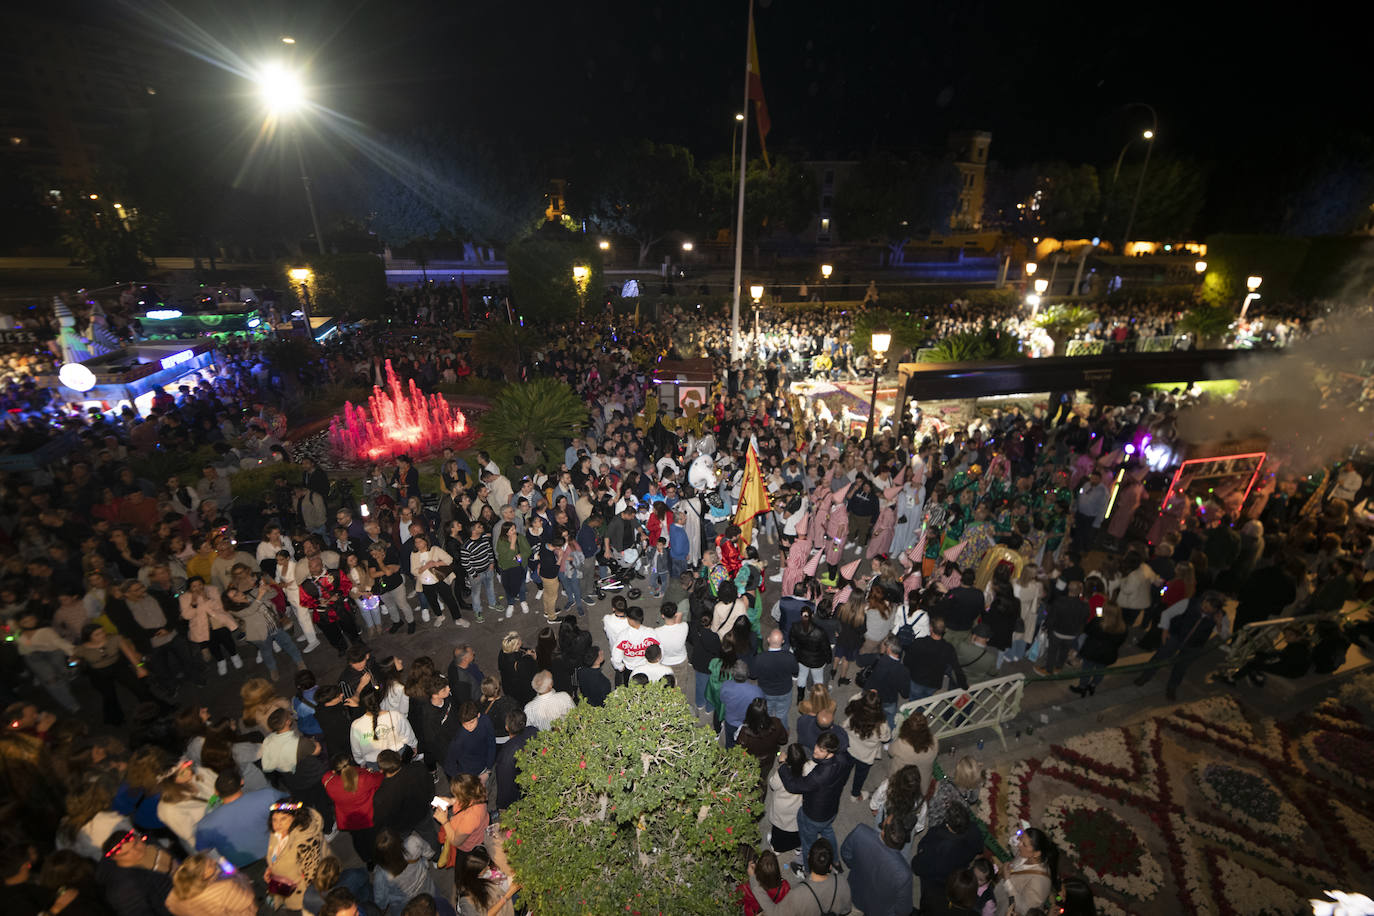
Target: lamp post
x: 1251, y: 284
x: 301, y: 276
x: 881, y: 341
x: 756, y: 294
x: 734, y: 134
x: 1200, y: 267
x: 1148, y: 136
x: 826, y: 271
x: 284, y: 95
x: 582, y: 275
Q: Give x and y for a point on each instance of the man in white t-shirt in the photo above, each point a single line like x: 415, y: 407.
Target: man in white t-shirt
x: 549, y: 705
x: 653, y: 667
x: 627, y: 651
x: 672, y: 636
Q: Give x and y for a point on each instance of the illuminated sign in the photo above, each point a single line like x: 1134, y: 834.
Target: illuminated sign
x: 176, y: 359
x: 164, y: 314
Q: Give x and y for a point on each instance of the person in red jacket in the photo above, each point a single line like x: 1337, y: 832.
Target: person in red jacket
x: 351, y: 789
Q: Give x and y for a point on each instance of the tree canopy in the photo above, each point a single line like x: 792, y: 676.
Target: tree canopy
x: 895, y: 200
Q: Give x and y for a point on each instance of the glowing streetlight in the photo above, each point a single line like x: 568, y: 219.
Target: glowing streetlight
x: 1041, y: 285
x: 1148, y: 135
x: 1033, y: 300
x: 756, y: 292
x: 93, y: 196
x: 1200, y: 266
x: 582, y: 275
x: 687, y: 246
x: 119, y: 206
x: 882, y: 339
x: 1031, y: 268
x: 280, y: 89
x: 604, y: 245
x: 1253, y: 283
x: 739, y: 116
x: 827, y: 270
x: 287, y: 40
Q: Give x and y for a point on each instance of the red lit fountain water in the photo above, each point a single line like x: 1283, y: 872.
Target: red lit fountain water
x: 397, y: 421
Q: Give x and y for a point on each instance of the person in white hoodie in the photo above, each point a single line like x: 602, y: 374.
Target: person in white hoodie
x: 185, y: 796
x: 627, y: 652
x: 671, y: 635
x: 378, y: 730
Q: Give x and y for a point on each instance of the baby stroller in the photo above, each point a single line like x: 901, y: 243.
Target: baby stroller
x: 620, y: 573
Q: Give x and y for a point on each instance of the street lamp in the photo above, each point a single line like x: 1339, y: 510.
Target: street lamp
x: 1041, y: 285
x: 826, y: 271
x: 283, y: 94
x: 882, y: 339
x: 756, y: 294
x: 1149, y: 137
x: 1033, y: 300
x: 604, y: 245
x: 1200, y: 267
x: 1031, y: 268
x: 687, y: 246
x: 1253, y: 283
x: 301, y: 276
x: 582, y: 275
x: 734, y: 134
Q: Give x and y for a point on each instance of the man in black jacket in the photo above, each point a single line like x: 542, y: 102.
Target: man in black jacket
x: 464, y: 677
x: 1067, y: 616
x: 592, y: 685
x: 820, y: 791
x: 703, y: 644
x: 943, y: 851
x: 811, y: 645
x: 440, y: 719
x: 889, y: 677
x: 961, y: 608
x: 402, y: 800
x: 335, y: 718
x: 504, y: 770
x: 775, y: 669
x: 790, y: 609
x: 928, y: 658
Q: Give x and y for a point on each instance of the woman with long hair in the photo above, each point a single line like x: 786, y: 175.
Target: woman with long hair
x: 223, y: 748
x: 548, y: 657
x: 259, y: 698
x: 877, y: 619
x: 784, y: 835
x: 351, y: 789
x: 184, y: 792
x: 378, y: 730
x: 914, y: 745
x: 762, y: 735
x: 1103, y: 638
x: 431, y: 566
x: 868, y: 731
x: 91, y: 817
x: 209, y: 627
x: 853, y: 619
x: 479, y: 886
x: 397, y: 877
x: 512, y: 550
x: 516, y: 666
x: 901, y: 796
x: 495, y: 705
x: 295, y: 846
x: 364, y: 594
x: 463, y: 820
x: 1031, y: 876
x: 200, y: 888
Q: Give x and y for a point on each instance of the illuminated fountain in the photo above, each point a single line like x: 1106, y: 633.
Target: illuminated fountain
x: 397, y: 421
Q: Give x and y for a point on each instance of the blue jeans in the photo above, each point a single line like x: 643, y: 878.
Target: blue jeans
x: 778, y: 706
x: 288, y: 645
x: 1092, y: 674
x: 475, y: 583
x: 814, y: 675
x: 920, y: 692
x: 658, y: 580
x: 811, y: 830
x: 890, y: 710
x: 702, y: 679
x: 677, y: 566
x: 572, y: 587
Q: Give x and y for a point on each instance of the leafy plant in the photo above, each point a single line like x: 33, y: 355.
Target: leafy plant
x: 532, y: 419
x: 1061, y: 322
x: 908, y: 332
x: 541, y: 273
x: 1208, y: 323
x: 972, y: 346
x: 252, y: 483
x: 631, y: 807
x: 503, y: 344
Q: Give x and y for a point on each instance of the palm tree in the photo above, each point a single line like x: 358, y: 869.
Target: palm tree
x: 972, y: 346
x: 532, y: 419
x: 1061, y: 322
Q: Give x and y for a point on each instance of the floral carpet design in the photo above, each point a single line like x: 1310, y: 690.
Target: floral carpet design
x: 1209, y: 809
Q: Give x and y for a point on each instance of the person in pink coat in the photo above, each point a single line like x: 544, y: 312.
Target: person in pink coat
x: 836, y: 531
x: 795, y: 569
x: 881, y: 539
x: 208, y: 624
x: 1127, y: 501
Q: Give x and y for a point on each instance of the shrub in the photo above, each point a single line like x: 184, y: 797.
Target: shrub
x: 973, y: 346
x: 1208, y: 323
x: 532, y: 418
x: 541, y: 277
x: 631, y: 807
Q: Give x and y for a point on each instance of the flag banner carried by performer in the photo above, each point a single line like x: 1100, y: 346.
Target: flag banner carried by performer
x: 753, y: 496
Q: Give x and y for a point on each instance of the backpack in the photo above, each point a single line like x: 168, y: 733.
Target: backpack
x: 866, y: 673
x: 906, y: 633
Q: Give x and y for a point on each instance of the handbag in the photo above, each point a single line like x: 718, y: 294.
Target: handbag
x: 865, y: 673
x: 280, y: 887
x: 1037, y: 648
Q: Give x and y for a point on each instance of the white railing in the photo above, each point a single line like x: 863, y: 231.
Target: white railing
x: 985, y: 705
x: 1262, y: 636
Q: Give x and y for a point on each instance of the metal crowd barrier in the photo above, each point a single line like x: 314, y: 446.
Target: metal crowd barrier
x: 1262, y: 636
x: 985, y: 705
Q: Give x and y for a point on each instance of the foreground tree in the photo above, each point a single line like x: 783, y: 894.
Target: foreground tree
x: 631, y: 808
x: 642, y: 191
x: 532, y: 419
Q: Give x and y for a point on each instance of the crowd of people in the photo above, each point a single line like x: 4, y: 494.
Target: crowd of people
x: 888, y: 569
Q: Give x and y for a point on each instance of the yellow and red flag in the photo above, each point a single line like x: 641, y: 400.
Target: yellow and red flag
x: 753, y: 496
x: 756, y: 91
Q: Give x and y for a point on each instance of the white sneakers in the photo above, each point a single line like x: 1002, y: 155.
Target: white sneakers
x: 438, y: 620
x: 462, y: 623
x: 256, y: 661
x: 510, y: 611
x: 424, y: 615
x: 221, y: 667
x: 538, y: 594
x: 524, y: 608
x: 311, y: 645
x: 238, y: 662
x: 276, y: 649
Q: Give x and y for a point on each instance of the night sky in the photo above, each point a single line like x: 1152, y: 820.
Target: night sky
x: 1246, y: 94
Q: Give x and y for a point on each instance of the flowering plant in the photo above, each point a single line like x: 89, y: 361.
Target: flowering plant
x: 1249, y: 798
x: 1106, y: 848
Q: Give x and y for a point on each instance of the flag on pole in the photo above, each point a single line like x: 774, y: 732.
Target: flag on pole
x: 753, y: 496
x: 756, y: 91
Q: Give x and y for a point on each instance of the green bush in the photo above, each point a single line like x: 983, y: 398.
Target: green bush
x: 351, y: 285
x: 972, y: 346
x: 1062, y: 322
x: 252, y: 483
x: 531, y: 419
x: 1233, y: 258
x: 187, y: 465
x: 909, y: 331
x: 631, y: 807
x: 1209, y: 323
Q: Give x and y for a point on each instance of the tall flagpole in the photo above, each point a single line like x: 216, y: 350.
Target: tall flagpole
x: 735, y: 353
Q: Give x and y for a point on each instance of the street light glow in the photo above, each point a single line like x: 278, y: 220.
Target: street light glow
x: 756, y: 292
x: 1253, y: 283
x: 687, y: 246
x: 280, y: 89
x: 604, y: 245
x: 93, y: 196
x: 1033, y: 300
x: 1148, y: 135
x: 881, y: 341
x: 739, y: 116
x: 1031, y: 268
x: 287, y: 40
x: 1200, y: 266
x: 581, y: 273
x: 827, y: 270
x: 1041, y: 285
x: 299, y: 274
